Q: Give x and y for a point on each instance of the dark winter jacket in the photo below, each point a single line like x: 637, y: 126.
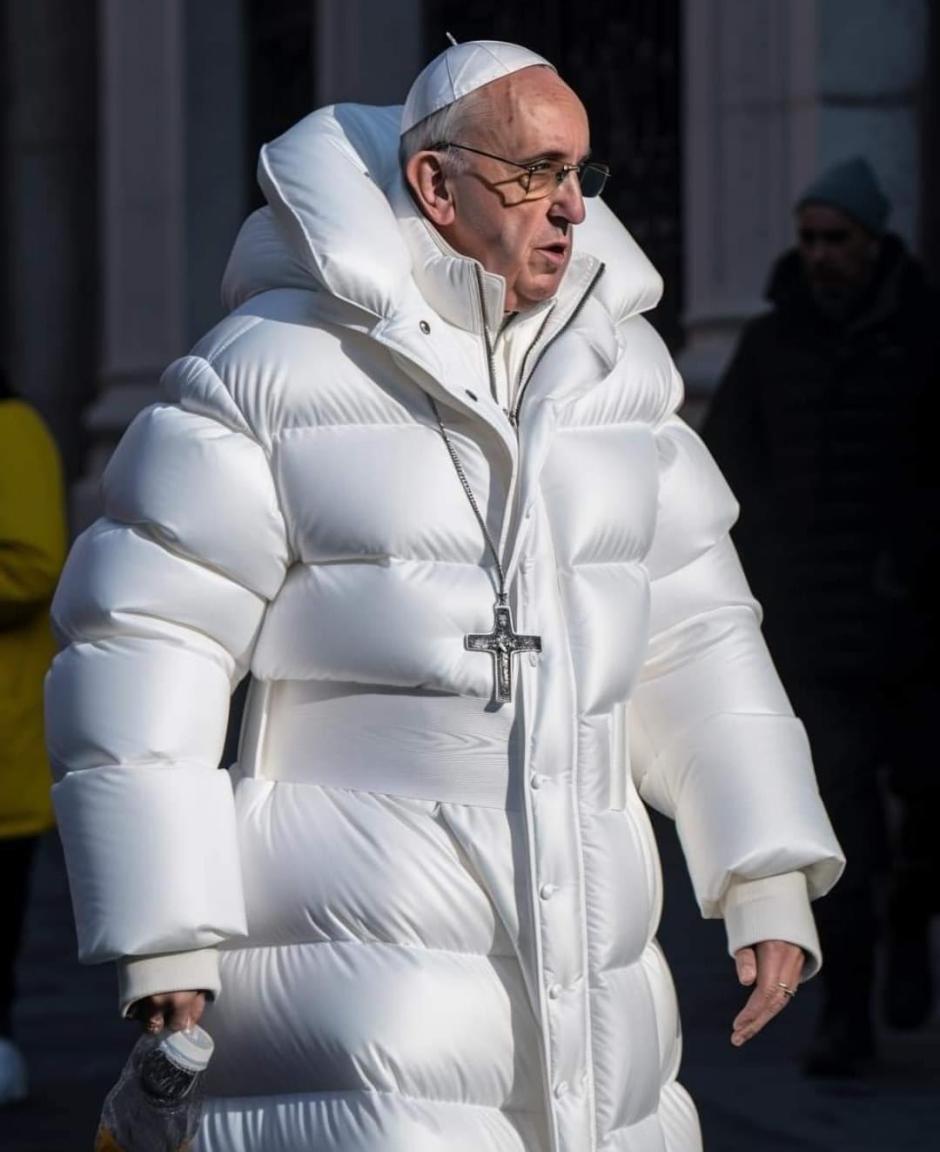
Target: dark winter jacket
x: 824, y: 430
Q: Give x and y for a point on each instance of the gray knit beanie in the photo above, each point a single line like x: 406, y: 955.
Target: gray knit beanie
x: 853, y: 188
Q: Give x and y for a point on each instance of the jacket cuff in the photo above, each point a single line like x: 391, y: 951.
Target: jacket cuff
x: 774, y: 908
x: 140, y: 976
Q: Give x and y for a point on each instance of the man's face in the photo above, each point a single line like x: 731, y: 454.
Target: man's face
x: 529, y: 116
x: 838, y: 256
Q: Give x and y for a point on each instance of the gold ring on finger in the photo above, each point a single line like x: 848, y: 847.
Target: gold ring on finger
x: 787, y: 990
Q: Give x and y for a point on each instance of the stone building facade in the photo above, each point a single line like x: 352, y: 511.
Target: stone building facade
x: 131, y: 129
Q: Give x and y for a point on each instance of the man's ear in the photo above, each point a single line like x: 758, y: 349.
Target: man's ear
x: 430, y: 188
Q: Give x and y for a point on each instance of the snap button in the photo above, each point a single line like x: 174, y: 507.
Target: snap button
x: 555, y: 991
x: 425, y: 327
x: 547, y: 891
x: 561, y: 1089
x: 535, y: 780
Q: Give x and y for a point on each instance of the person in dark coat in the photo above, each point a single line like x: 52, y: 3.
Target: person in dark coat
x: 823, y: 426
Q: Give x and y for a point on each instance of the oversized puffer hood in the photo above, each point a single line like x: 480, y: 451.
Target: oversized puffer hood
x: 333, y: 223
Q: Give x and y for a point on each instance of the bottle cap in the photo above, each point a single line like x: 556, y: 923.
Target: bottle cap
x: 190, y: 1050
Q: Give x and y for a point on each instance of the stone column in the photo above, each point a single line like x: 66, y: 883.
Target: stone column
x: 774, y: 93
x: 367, y: 51
x: 216, y: 129
x: 49, y: 258
x: 141, y: 217
x: 749, y: 146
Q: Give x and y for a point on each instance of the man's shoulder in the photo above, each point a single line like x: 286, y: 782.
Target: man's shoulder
x: 768, y: 333
x: 25, y: 437
x: 278, y: 333
x: 763, y: 324
x: 264, y: 363
x: 273, y: 324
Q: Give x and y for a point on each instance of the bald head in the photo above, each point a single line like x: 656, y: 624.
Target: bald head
x: 511, y: 113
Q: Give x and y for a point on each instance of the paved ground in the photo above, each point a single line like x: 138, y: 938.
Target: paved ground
x: 755, y: 1098
x: 67, y: 1025
x: 750, y: 1101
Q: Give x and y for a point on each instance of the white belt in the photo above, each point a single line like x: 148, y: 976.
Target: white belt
x: 399, y: 742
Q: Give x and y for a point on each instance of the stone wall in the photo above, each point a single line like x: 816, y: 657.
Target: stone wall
x: 49, y: 289
x: 774, y: 93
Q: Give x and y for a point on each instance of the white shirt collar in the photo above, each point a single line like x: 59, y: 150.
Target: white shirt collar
x: 452, y: 284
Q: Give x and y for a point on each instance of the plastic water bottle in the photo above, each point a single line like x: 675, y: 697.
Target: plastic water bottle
x: 156, y: 1104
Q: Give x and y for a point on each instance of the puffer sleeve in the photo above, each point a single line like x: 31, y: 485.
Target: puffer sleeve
x: 714, y: 742
x: 159, y: 607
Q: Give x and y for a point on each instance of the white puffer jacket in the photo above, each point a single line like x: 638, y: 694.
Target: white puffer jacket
x: 435, y: 917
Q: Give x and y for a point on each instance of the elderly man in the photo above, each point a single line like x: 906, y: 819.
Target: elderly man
x: 427, y: 484
x: 825, y: 425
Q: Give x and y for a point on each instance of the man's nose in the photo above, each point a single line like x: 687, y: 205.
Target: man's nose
x: 568, y: 199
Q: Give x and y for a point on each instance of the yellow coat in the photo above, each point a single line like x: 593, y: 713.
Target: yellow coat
x: 32, y: 550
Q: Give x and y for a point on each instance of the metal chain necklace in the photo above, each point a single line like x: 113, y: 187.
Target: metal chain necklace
x: 503, y: 642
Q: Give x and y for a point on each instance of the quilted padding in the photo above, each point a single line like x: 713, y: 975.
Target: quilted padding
x: 436, y: 917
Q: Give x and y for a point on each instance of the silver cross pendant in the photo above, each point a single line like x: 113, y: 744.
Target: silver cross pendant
x: 502, y: 644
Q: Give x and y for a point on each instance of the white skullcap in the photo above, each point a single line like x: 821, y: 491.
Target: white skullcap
x: 460, y: 70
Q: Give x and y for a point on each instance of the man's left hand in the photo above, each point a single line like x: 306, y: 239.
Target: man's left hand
x: 773, y: 969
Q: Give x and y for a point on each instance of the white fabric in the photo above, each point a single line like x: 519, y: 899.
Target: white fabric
x: 511, y: 343
x: 775, y: 908
x: 141, y: 976
x: 460, y: 70
x: 457, y: 952
x: 509, y: 335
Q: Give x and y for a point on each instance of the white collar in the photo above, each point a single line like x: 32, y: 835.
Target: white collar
x: 335, y: 231
x: 451, y: 283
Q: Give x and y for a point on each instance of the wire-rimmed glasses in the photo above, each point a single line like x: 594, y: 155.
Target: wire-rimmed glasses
x: 542, y: 177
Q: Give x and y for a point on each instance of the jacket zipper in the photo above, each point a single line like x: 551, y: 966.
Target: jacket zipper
x: 490, y: 362
x: 524, y: 379
x: 513, y: 412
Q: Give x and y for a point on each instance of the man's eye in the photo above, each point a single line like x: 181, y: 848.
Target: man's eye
x: 539, y: 167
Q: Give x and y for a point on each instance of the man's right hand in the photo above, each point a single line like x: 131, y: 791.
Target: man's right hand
x: 172, y: 1010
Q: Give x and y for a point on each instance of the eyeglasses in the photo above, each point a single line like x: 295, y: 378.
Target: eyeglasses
x: 542, y: 177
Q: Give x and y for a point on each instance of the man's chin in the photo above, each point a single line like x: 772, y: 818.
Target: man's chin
x: 540, y: 287
x: 833, y: 300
